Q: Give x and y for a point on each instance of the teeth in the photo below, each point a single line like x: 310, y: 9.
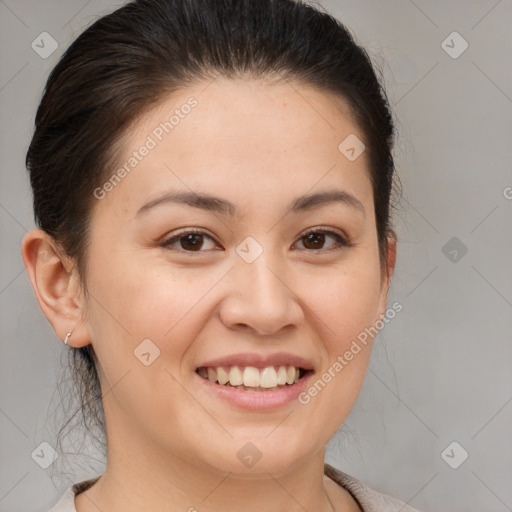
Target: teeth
x: 222, y: 375
x: 212, y: 374
x: 251, y: 377
x: 281, y: 376
x: 235, y: 376
x: 268, y: 377
x: 290, y: 376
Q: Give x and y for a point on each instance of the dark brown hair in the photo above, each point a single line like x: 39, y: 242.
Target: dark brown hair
x: 128, y: 61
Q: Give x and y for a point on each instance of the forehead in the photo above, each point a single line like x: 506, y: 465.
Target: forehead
x: 242, y: 139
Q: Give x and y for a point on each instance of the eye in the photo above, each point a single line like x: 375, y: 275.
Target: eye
x: 315, y: 238
x: 190, y: 241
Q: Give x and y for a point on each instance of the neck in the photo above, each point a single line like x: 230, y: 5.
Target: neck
x: 139, y: 479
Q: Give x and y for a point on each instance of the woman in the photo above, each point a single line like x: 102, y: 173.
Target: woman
x: 212, y: 183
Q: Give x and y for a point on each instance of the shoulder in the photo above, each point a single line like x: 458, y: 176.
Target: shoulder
x: 67, y: 501
x: 369, y: 499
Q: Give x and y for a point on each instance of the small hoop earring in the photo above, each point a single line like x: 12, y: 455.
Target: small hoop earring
x: 67, y: 338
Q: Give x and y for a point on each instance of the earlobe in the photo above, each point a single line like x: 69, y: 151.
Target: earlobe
x: 55, y: 285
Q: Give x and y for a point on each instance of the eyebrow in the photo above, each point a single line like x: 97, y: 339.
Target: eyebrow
x: 214, y: 204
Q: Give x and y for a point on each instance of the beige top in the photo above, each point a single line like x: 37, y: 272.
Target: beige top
x: 368, y: 499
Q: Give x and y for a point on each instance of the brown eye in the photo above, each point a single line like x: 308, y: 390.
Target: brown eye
x: 314, y: 240
x: 194, y: 241
x: 189, y: 241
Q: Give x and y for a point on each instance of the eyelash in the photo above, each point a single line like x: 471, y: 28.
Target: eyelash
x: 342, y: 243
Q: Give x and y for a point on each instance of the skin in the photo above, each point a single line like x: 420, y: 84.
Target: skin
x: 259, y: 146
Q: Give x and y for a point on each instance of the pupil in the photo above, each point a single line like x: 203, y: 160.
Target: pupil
x: 189, y: 239
x: 315, y: 237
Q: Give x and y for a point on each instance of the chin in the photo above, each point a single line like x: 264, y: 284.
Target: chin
x: 255, y: 458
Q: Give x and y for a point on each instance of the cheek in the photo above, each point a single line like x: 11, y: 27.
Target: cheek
x: 345, y: 309
x: 134, y: 303
x: 346, y: 301
x: 136, y: 300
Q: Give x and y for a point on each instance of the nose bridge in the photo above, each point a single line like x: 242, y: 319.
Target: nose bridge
x: 260, y: 276
x: 258, y: 263
x: 262, y: 299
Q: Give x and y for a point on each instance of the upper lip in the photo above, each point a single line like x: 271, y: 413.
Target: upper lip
x: 260, y: 360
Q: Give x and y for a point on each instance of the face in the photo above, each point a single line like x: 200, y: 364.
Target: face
x: 267, y: 280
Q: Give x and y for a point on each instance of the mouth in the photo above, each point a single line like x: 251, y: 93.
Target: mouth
x: 253, y: 379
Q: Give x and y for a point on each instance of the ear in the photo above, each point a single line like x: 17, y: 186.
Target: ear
x: 56, y: 286
x: 387, y: 271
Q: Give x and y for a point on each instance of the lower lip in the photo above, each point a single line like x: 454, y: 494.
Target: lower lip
x: 256, y: 400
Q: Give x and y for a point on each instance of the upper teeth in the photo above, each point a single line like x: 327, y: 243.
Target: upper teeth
x: 250, y: 376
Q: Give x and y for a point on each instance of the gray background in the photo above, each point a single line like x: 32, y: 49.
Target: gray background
x: 440, y: 371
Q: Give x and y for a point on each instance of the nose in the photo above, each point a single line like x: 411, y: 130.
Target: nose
x: 261, y: 297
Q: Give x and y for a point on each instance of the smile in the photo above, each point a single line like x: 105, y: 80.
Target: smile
x: 250, y: 378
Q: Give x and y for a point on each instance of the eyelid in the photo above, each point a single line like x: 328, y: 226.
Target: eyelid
x: 325, y: 230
